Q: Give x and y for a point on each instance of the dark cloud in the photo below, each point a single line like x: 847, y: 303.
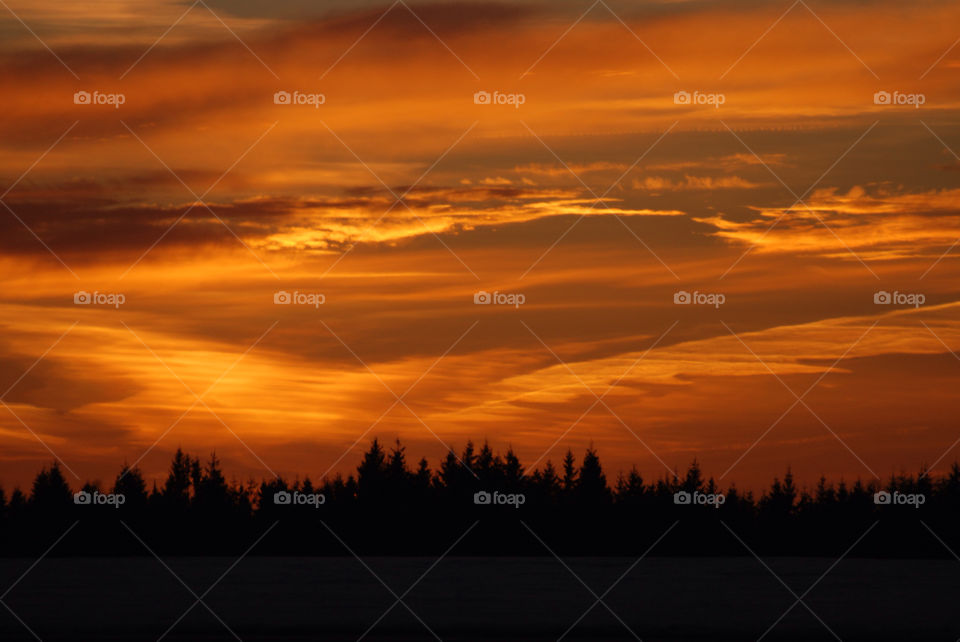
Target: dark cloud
x: 59, y: 384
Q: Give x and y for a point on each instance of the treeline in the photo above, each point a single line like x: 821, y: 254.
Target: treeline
x: 392, y: 507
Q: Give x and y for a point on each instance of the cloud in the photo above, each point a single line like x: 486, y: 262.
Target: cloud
x: 564, y: 171
x: 91, y: 228
x: 728, y: 163
x: 879, y: 223
x: 660, y: 184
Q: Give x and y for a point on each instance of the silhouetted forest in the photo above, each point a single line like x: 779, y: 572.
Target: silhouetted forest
x: 391, y: 507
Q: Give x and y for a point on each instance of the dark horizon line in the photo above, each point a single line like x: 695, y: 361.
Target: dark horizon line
x: 495, y: 460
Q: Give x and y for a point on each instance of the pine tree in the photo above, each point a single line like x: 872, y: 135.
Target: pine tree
x: 18, y: 503
x: 423, y: 477
x: 131, y: 485
x: 569, y: 472
x: 176, y: 490
x: 694, y: 479
x: 50, y: 489
x: 396, y: 469
x: 512, y: 471
x: 630, y: 489
x: 789, y: 490
x: 592, y: 483
x: 825, y: 495
x: 371, y: 474
x: 779, y: 501
x: 196, y: 474
x: 450, y: 471
x: 547, y: 482
x: 485, y: 465
x: 211, y: 491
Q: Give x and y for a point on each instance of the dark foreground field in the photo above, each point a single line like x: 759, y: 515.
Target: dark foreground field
x: 660, y: 599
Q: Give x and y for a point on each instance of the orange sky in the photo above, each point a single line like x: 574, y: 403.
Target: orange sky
x: 597, y: 199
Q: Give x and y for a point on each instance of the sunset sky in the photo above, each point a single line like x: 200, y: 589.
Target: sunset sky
x: 399, y: 197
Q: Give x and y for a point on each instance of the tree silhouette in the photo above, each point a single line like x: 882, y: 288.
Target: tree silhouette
x: 513, y: 472
x: 569, y: 471
x: 212, y: 496
x: 546, y: 483
x: 591, y: 485
x: 130, y: 484
x: 630, y: 489
x: 372, y: 475
x: 176, y: 490
x: 422, y: 478
x: 18, y: 503
x: 387, y: 508
x: 693, y: 481
x: 50, y: 490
